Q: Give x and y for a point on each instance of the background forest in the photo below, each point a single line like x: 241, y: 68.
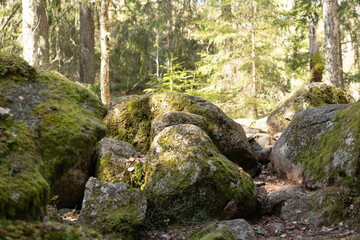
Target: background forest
x: 244, y: 56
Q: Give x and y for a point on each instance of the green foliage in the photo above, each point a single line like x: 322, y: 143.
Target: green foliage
x: 175, y: 79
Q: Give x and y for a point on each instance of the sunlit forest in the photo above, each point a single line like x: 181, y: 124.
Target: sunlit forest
x: 179, y: 119
x: 244, y: 56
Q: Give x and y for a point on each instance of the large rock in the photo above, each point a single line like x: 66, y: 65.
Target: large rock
x: 113, y: 208
x: 137, y: 119
x: 48, y: 125
x: 119, y: 162
x: 187, y: 178
x: 304, y: 97
x: 321, y: 147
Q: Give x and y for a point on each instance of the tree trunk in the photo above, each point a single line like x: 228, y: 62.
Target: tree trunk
x: 332, y: 47
x: 35, y: 33
x: 105, y: 51
x: 254, y: 94
x: 87, y: 43
x: 315, y: 72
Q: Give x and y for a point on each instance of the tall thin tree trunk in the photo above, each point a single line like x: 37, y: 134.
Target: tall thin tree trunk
x: 87, y: 43
x: 315, y: 74
x: 332, y: 44
x: 105, y: 51
x: 170, y: 32
x: 35, y: 33
x: 254, y: 93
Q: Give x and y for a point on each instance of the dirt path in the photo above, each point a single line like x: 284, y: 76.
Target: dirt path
x: 272, y: 227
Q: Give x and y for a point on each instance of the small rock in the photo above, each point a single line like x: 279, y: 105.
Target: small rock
x: 276, y: 228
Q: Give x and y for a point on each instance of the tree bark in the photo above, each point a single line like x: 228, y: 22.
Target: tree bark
x: 254, y: 93
x: 35, y: 33
x: 87, y: 43
x: 332, y: 44
x: 105, y: 51
x: 315, y: 74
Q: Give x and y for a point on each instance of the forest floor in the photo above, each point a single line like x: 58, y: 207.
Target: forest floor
x: 269, y: 227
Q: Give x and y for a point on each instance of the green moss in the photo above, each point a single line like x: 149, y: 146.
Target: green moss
x: 131, y: 123
x: 213, y: 232
x: 16, y: 68
x: 119, y: 218
x: 307, y: 96
x: 185, y: 195
x: 318, y: 157
x: 23, y: 190
x: 20, y: 230
x: 67, y: 119
x: 53, y: 125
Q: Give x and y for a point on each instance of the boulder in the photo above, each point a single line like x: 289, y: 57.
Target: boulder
x: 320, y: 147
x: 304, y: 97
x: 113, y: 208
x: 137, y: 120
x: 214, y: 232
x: 187, y: 178
x: 119, y: 161
x: 304, y: 210
x: 276, y: 200
x: 237, y: 229
x: 48, y: 125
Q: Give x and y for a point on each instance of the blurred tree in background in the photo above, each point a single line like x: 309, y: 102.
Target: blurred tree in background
x: 217, y: 49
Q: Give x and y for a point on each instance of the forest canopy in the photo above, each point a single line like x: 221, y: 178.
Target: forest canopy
x: 244, y: 56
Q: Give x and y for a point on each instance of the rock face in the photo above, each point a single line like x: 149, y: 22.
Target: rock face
x: 137, y: 120
x: 187, y: 178
x: 113, y: 208
x: 321, y: 147
x: 119, y: 162
x: 48, y: 125
x: 307, y: 96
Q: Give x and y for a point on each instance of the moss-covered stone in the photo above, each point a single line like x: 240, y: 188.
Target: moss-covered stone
x: 188, y: 179
x: 113, y: 208
x: 48, y: 125
x: 119, y: 162
x: 304, y: 97
x: 135, y: 119
x: 214, y: 232
x: 47, y: 230
x: 322, y: 147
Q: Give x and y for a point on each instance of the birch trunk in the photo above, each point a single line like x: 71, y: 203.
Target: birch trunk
x: 254, y: 88
x: 332, y: 44
x: 35, y: 33
x: 105, y: 51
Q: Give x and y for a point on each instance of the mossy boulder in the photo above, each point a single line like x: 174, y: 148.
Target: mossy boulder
x: 46, y: 230
x: 321, y: 147
x: 306, y: 96
x: 214, y: 232
x: 119, y: 161
x: 48, y: 125
x: 113, y: 208
x: 188, y: 179
x: 237, y: 229
x: 137, y: 120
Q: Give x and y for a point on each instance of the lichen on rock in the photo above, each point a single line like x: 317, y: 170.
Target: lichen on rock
x: 113, y: 208
x: 187, y: 178
x: 119, y: 161
x: 321, y: 147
